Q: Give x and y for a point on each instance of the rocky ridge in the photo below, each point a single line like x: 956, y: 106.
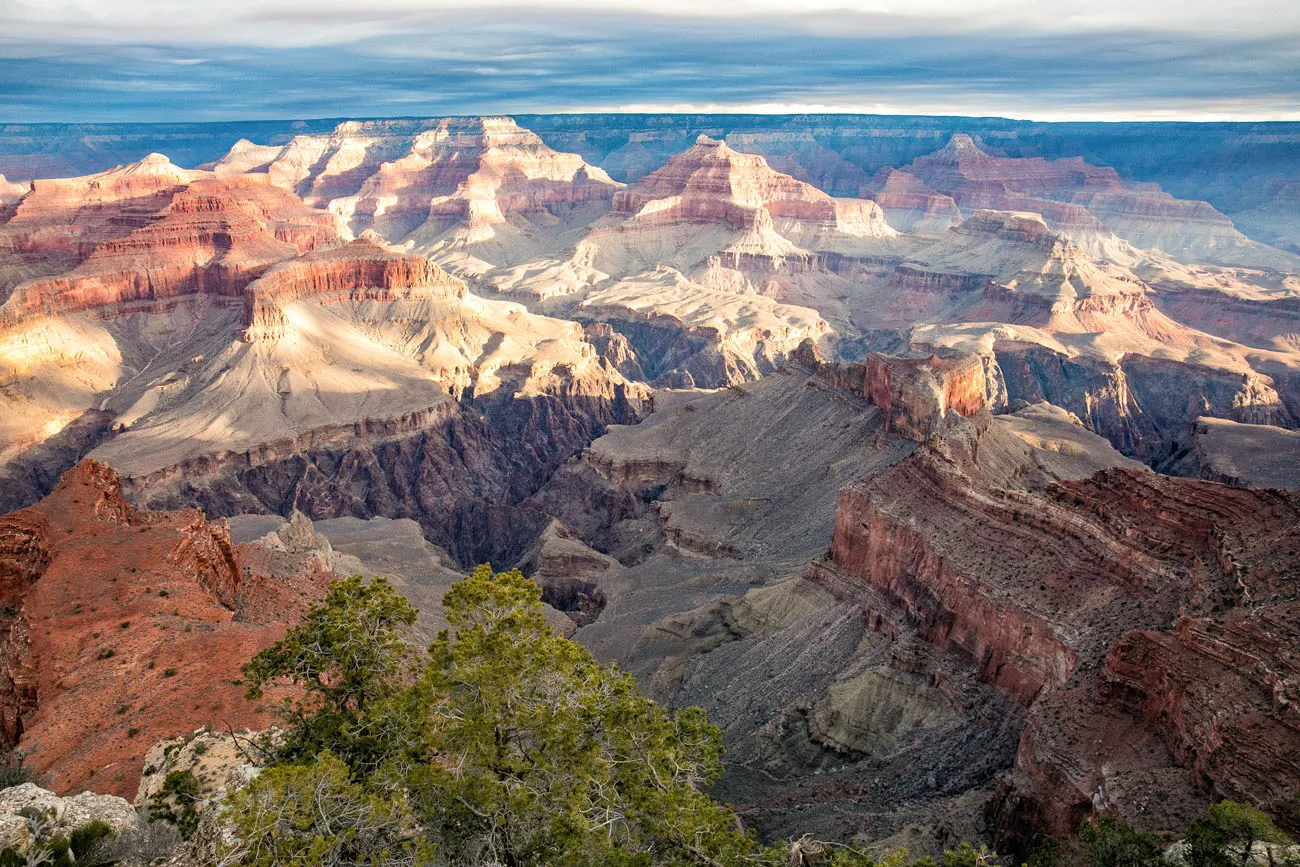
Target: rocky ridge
x: 125, y: 626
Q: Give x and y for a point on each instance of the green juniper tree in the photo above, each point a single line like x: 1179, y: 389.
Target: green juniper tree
x: 505, y: 744
x: 1227, y: 834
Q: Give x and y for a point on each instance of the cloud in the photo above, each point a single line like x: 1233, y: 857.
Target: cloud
x: 290, y: 58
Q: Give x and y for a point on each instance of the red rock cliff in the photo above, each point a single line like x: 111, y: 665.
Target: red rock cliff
x: 1145, y: 622
x: 361, y: 270
x: 123, y: 627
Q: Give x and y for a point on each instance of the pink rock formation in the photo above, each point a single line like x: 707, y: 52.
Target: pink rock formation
x: 910, y: 205
x: 361, y: 270
x: 801, y: 156
x: 1087, y: 202
x: 710, y: 182
x: 211, y: 236
x: 393, y: 177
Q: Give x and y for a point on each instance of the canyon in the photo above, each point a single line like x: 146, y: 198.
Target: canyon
x: 948, y: 464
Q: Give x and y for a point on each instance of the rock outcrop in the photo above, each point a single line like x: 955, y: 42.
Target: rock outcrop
x: 474, y: 193
x: 212, y: 237
x: 1041, y: 589
x: 712, y: 184
x: 31, y: 816
x: 909, y: 204
x: 917, y: 396
x: 123, y: 627
x: 356, y: 272
x: 1247, y: 455
x: 1088, y: 202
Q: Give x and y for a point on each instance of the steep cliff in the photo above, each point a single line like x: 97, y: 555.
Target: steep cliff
x: 125, y: 626
x: 212, y: 237
x: 1039, y: 589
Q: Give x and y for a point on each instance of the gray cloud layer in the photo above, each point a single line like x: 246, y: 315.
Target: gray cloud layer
x: 284, y: 58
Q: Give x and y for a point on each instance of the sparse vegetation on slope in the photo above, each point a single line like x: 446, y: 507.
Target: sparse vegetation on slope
x: 504, y: 744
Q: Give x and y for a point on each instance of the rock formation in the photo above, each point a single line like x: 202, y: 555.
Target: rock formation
x: 909, y: 204
x: 212, y: 237
x: 1140, y: 551
x: 123, y: 627
x: 21, y: 804
x: 476, y: 192
x: 1247, y: 455
x: 1087, y: 201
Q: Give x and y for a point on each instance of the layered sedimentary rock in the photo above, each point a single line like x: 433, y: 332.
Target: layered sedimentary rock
x: 830, y: 701
x: 356, y: 272
x: 918, y: 397
x: 800, y: 155
x: 60, y: 222
x: 1276, y: 220
x: 1051, y: 624
x: 209, y: 334
x: 712, y: 184
x: 909, y: 204
x: 478, y: 193
x: 684, y: 334
x: 1145, y: 406
x: 1088, y: 202
x: 690, y: 255
x: 1055, y: 324
x: 212, y: 237
x: 123, y: 627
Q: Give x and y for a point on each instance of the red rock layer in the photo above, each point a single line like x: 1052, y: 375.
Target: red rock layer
x: 1177, y: 680
x: 918, y: 396
x: 909, y: 203
x: 72, y: 216
x: 1041, y: 592
x: 361, y: 270
x: 123, y: 627
x: 212, y: 237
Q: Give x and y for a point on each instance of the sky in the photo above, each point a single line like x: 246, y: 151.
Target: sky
x: 204, y: 60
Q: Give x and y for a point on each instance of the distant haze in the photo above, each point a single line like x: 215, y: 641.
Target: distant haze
x: 165, y: 60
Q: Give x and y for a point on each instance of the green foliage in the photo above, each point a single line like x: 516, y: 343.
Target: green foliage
x: 550, y: 757
x: 313, y: 815
x: 505, y: 743
x: 349, y: 656
x: 967, y: 856
x: 1108, y: 842
x: 177, y: 802
x: 79, y: 847
x: 14, y: 771
x: 1228, y: 833
x: 1050, y: 852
